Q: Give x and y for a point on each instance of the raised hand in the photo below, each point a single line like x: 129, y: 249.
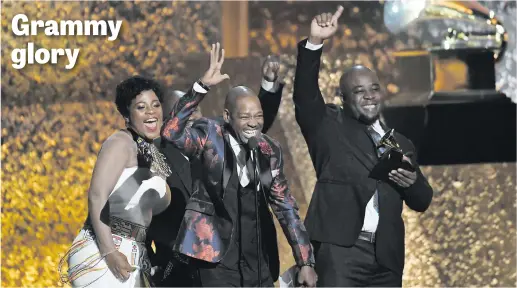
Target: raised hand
x: 270, y: 68
x: 213, y: 75
x: 324, y: 26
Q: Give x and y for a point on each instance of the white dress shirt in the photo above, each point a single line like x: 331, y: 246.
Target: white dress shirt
x: 266, y: 85
x: 242, y: 169
x: 371, y: 215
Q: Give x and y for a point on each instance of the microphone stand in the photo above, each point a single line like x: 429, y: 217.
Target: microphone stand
x: 257, y: 187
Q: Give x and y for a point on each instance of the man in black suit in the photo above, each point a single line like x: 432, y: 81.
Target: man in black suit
x: 354, y: 221
x: 172, y: 271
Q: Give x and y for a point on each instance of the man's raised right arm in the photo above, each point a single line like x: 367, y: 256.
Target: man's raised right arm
x: 192, y: 140
x: 309, y: 104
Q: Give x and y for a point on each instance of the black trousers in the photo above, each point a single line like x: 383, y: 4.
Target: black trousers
x: 240, y: 275
x: 355, y: 266
x: 181, y: 275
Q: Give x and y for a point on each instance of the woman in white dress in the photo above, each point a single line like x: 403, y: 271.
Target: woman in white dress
x: 127, y: 188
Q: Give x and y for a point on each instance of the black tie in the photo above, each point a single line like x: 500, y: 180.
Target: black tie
x: 376, y: 137
x: 249, y: 166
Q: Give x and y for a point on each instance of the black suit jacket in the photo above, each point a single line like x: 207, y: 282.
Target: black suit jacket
x: 164, y: 227
x: 343, y: 155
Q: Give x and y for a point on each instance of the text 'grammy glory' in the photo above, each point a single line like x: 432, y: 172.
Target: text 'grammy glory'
x: 21, y: 26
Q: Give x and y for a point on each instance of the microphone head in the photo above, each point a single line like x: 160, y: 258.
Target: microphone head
x: 253, y: 143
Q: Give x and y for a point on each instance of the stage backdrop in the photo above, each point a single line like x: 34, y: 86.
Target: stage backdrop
x: 54, y: 121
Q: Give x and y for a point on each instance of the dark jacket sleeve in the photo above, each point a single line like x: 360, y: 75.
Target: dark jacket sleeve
x: 270, y: 104
x: 419, y: 195
x: 308, y: 102
x: 190, y: 140
x: 285, y: 208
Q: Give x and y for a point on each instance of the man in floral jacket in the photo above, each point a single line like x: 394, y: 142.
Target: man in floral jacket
x: 220, y: 223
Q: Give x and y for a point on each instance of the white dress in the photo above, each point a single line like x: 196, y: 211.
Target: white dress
x: 130, y: 206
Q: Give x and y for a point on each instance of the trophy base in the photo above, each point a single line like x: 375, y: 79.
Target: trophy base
x: 449, y: 132
x: 444, y: 76
x: 390, y: 160
x: 448, y: 106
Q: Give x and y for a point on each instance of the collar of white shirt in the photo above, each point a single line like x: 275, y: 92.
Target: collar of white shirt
x: 236, y: 147
x: 242, y: 170
x: 378, y: 128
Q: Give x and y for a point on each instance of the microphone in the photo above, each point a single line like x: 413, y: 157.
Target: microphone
x: 253, y: 143
x: 253, y: 146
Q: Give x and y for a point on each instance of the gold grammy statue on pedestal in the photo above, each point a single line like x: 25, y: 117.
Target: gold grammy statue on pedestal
x: 460, y: 43
x: 398, y: 15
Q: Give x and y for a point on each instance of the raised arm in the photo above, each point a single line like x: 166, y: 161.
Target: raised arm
x: 270, y: 93
x: 308, y: 101
x: 191, y: 140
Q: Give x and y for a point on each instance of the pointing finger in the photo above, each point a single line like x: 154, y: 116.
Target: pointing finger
x: 221, y: 61
x: 212, y: 58
x: 336, y: 15
x: 217, y: 49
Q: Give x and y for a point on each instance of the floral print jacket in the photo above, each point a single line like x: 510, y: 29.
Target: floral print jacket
x: 206, y: 230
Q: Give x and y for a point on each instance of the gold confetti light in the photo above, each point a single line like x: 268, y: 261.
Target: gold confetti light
x: 54, y: 121
x: 155, y: 29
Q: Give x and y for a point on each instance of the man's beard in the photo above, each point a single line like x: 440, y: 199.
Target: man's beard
x: 368, y: 120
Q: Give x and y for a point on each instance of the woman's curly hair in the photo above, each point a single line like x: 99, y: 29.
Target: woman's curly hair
x: 128, y: 89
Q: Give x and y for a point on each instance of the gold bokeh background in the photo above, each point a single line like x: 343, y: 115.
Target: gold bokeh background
x: 54, y: 121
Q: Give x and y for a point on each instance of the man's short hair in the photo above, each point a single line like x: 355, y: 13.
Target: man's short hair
x: 233, y: 94
x: 345, y: 76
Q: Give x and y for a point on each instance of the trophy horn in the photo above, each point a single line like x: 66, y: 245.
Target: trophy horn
x: 388, y: 140
x: 400, y: 14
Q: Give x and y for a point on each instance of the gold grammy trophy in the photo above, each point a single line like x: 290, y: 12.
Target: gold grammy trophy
x: 388, y: 141
x: 459, y: 63
x: 390, y: 156
x: 399, y: 15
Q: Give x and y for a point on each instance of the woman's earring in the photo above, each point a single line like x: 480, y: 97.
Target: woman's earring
x: 127, y: 121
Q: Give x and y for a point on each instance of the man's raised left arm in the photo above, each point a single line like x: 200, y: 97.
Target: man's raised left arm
x: 270, y: 93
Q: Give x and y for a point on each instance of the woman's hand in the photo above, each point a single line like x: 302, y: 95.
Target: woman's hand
x: 119, y: 266
x: 213, y: 75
